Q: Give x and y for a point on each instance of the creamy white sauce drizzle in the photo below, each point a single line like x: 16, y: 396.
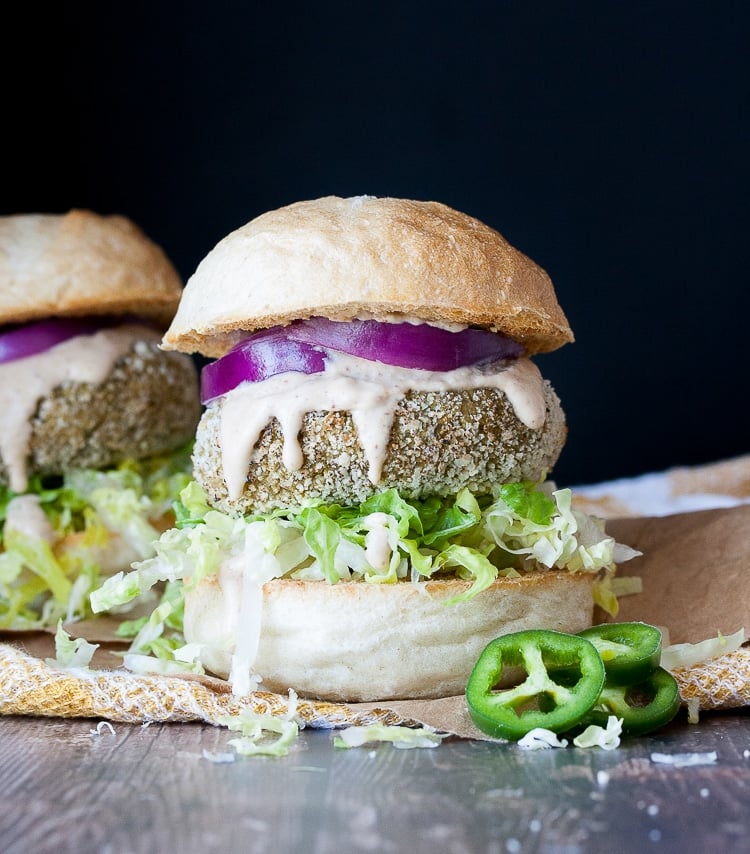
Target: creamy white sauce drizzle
x: 25, y: 515
x: 24, y: 382
x: 370, y: 391
x: 241, y: 578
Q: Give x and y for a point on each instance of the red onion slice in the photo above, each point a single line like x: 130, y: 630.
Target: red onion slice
x: 261, y: 356
x: 32, y: 338
x: 301, y: 346
x: 407, y: 345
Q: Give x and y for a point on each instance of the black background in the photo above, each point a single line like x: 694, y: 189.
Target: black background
x: 608, y: 141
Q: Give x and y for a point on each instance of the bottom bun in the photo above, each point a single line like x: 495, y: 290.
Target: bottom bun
x: 356, y: 642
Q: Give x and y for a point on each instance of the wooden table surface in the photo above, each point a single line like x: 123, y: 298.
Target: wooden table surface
x: 63, y: 787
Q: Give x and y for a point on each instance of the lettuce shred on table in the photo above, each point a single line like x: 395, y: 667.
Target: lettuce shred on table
x: 95, y: 516
x: 399, y: 736
x: 261, y: 734
x: 71, y: 653
x: 526, y: 527
x: 683, y: 655
x: 606, y: 738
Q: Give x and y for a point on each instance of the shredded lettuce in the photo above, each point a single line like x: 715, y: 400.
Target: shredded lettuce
x: 688, y: 654
x: 322, y: 535
x: 540, y: 738
x: 685, y: 760
x: 157, y: 644
x: 399, y: 736
x: 29, y: 569
x: 435, y: 538
x: 69, y: 652
x: 92, y: 522
x: 526, y: 527
x: 257, y: 731
x: 224, y: 758
x: 607, y: 738
x: 693, y: 710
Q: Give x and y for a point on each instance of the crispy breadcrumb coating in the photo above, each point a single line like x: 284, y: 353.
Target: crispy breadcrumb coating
x: 148, y: 404
x: 440, y: 442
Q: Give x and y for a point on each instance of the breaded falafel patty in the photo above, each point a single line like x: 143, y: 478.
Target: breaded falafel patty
x: 147, y: 405
x: 440, y: 442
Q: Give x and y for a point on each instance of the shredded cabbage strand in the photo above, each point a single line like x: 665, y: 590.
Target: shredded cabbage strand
x: 399, y: 736
x: 71, y: 652
x: 263, y: 734
x: 540, y: 738
x: 689, y: 654
x: 607, y: 738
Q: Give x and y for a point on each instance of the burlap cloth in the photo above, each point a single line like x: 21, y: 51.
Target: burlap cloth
x: 29, y: 686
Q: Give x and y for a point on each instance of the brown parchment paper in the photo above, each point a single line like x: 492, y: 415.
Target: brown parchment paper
x: 695, y: 574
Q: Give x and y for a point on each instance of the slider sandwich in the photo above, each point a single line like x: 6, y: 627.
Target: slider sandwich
x: 369, y: 507
x: 95, y: 419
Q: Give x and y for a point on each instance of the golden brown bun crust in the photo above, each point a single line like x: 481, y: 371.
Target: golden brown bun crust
x: 365, y: 257
x: 354, y: 641
x: 81, y: 263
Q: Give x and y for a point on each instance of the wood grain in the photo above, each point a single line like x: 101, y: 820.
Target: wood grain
x: 63, y: 787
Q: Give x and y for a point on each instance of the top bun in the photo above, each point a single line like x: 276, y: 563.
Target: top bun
x: 80, y: 263
x: 365, y: 257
